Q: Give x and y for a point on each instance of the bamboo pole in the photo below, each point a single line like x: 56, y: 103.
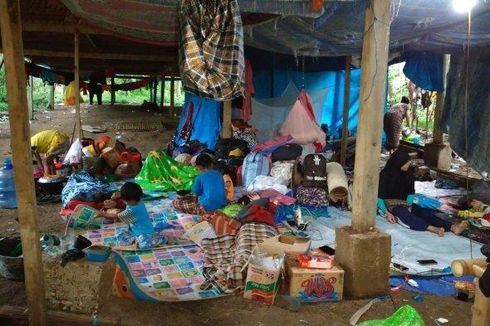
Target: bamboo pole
x: 11, y: 30
x: 30, y: 95
x: 374, y: 63
x: 437, y: 133
x: 162, y: 91
x: 345, y: 116
x: 78, y: 119
x: 172, y: 95
x: 226, y: 131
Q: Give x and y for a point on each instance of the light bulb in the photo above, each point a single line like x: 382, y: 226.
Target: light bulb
x: 463, y: 6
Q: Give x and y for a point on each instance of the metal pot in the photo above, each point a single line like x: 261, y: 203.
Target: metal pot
x: 46, y: 186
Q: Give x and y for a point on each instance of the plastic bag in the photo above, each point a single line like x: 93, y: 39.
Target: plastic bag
x: 405, y: 316
x: 74, y: 155
x: 160, y: 172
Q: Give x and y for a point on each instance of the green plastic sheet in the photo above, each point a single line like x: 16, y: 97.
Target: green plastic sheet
x: 161, y: 173
x: 232, y: 210
x: 405, y: 316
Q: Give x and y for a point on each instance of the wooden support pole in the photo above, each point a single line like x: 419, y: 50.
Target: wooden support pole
x: 172, y: 95
x: 78, y: 119
x: 226, y: 131
x: 162, y: 92
x: 52, y: 88
x: 155, y: 90
x: 15, y: 75
x: 30, y: 99
x: 437, y: 134
x: 374, y: 63
x: 151, y: 92
x: 345, y: 116
x: 113, y: 92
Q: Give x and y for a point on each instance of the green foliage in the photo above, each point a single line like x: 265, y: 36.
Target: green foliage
x: 136, y: 97
x: 397, y: 83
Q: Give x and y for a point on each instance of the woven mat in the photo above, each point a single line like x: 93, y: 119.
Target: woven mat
x: 145, y: 125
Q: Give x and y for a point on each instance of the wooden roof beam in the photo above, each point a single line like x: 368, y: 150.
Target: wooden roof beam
x: 61, y: 27
x: 100, y: 56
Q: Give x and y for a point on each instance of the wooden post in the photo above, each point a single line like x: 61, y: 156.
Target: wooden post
x: 226, y: 131
x: 374, y: 63
x: 15, y: 76
x: 155, y: 89
x: 162, y: 92
x: 51, y: 96
x: 345, y: 116
x: 113, y: 92
x: 437, y: 137
x: 30, y: 95
x: 78, y: 119
x: 151, y: 91
x: 172, y: 95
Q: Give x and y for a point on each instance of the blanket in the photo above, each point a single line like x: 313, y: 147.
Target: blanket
x: 227, y: 256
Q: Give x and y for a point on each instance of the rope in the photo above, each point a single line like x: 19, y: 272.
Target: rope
x: 465, y: 106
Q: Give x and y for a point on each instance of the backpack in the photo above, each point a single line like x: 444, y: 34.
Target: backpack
x: 255, y: 164
x: 225, y: 146
x: 288, y: 152
x: 311, y: 196
x: 315, y: 171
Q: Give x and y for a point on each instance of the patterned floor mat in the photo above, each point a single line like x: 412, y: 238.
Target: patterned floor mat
x: 166, y: 274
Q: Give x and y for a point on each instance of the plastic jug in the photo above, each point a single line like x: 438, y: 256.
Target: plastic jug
x: 7, y: 185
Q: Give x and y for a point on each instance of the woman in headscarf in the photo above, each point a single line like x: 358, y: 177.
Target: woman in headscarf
x: 392, y: 123
x: 396, y: 196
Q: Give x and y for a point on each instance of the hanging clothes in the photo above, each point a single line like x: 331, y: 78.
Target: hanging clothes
x: 211, y: 48
x: 203, y: 124
x: 248, y: 91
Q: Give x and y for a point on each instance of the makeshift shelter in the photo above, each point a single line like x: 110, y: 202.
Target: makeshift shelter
x: 140, y: 37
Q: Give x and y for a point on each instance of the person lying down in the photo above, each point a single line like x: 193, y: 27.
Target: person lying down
x: 396, y: 194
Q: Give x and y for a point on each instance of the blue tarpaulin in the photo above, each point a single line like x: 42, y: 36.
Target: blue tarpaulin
x: 424, y: 69
x: 205, y: 120
x: 269, y: 84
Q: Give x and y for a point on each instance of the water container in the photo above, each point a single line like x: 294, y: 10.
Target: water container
x: 7, y: 185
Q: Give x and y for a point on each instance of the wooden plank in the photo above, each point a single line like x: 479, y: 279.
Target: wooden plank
x: 52, y: 89
x: 56, y: 317
x: 226, y: 132
x: 345, y: 116
x: 15, y: 76
x: 172, y: 95
x: 374, y: 63
x: 100, y: 55
x: 437, y: 133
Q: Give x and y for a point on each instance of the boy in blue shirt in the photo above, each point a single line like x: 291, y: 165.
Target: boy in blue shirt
x: 208, y: 190
x: 136, y: 216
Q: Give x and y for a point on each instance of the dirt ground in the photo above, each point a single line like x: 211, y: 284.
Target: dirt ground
x: 225, y: 311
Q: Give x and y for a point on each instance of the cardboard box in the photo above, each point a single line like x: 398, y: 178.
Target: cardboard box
x: 263, y: 281
x: 315, y: 285
x: 290, y: 244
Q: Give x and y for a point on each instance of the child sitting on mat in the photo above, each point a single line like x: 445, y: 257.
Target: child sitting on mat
x: 141, y: 230
x: 208, y: 190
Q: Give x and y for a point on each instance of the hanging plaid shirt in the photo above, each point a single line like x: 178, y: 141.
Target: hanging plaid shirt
x: 211, y: 48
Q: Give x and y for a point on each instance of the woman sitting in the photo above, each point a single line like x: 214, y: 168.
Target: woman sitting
x: 396, y: 189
